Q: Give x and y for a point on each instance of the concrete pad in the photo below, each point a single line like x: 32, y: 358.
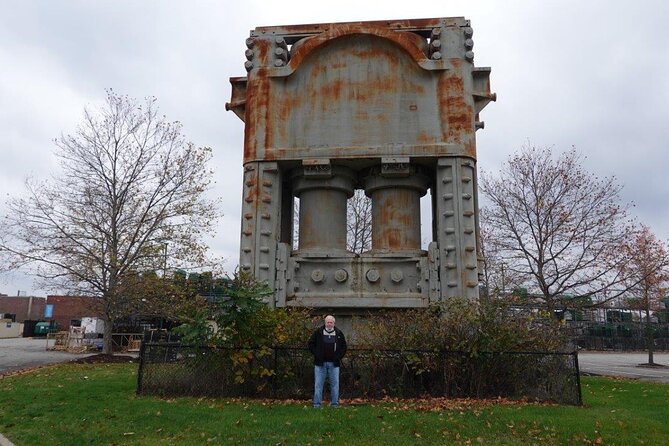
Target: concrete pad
x: 23, y: 353
x: 624, y: 365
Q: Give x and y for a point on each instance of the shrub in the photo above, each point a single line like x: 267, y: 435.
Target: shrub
x: 242, y: 328
x: 460, y: 325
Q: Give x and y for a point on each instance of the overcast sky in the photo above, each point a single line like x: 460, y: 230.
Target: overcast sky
x: 592, y: 74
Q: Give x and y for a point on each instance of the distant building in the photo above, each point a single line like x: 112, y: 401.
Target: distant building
x: 69, y: 310
x: 23, y: 308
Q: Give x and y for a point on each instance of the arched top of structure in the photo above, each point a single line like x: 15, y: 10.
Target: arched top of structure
x: 412, y: 44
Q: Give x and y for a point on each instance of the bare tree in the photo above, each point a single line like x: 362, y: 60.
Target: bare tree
x: 359, y: 222
x: 130, y: 198
x: 648, y: 277
x: 559, y: 225
x: 499, y: 279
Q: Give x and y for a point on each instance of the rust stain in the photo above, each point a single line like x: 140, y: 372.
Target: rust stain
x: 330, y: 91
x: 393, y: 238
x: 358, y: 94
x: 396, y: 219
x: 376, y: 52
x: 452, y: 105
x: 257, y: 110
x: 458, y: 117
x: 424, y: 138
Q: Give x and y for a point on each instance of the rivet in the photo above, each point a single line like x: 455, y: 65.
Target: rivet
x: 373, y: 275
x: 280, y: 53
x: 341, y: 275
x: 317, y: 275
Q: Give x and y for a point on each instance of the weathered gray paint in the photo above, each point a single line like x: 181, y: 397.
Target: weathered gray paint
x: 390, y: 107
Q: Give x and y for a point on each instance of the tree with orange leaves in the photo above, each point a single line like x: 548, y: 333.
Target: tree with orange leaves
x: 648, y: 273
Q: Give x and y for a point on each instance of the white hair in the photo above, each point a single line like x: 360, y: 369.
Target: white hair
x: 329, y: 316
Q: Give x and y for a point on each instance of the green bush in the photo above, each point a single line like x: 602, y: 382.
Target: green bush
x: 243, y: 329
x: 461, y: 325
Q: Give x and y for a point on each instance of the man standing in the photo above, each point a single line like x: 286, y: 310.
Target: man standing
x: 328, y: 345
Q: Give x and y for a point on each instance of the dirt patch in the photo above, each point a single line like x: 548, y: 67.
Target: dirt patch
x: 106, y: 359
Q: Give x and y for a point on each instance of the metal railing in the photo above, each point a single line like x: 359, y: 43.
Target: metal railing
x: 172, y: 369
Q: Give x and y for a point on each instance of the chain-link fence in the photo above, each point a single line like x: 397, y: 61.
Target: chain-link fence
x: 623, y: 336
x: 171, y: 369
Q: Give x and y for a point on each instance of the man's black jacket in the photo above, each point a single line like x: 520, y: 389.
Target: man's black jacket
x: 317, y: 349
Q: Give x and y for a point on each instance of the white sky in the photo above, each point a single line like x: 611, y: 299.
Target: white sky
x: 593, y: 74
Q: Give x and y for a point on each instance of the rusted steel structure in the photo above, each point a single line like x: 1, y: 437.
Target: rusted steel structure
x: 390, y: 107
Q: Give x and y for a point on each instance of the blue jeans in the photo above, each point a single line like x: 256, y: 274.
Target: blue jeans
x: 320, y: 373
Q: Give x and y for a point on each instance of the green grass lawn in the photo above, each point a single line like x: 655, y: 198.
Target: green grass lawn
x: 95, y: 404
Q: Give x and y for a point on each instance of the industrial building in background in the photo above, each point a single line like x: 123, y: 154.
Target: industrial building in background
x: 390, y: 107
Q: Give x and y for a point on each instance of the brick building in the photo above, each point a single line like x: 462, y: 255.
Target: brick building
x: 24, y: 307
x: 67, y: 309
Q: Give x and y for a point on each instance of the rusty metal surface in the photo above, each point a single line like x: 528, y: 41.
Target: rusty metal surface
x: 389, y: 106
x: 366, y: 281
x: 354, y: 89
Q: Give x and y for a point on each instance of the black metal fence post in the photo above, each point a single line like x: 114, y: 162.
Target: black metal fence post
x: 578, y: 378
x: 140, y: 371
